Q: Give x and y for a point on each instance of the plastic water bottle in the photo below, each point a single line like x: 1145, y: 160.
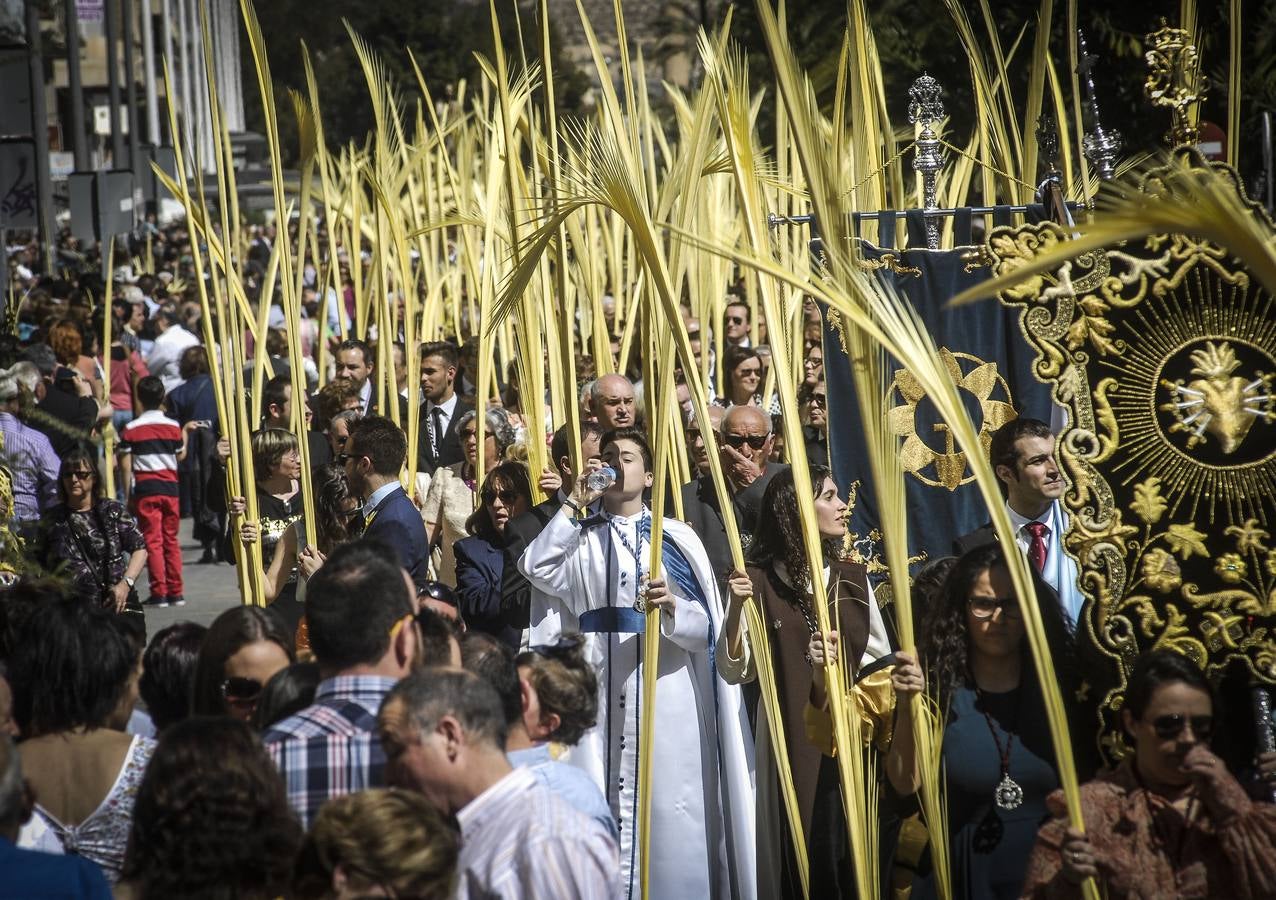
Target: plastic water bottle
x: 601, y: 479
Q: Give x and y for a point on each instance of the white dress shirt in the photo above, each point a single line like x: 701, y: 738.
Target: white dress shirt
x: 1060, y: 571
x: 165, y: 357
x: 447, y: 408
x: 520, y: 839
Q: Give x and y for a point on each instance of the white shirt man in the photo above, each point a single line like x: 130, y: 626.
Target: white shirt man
x: 166, y: 355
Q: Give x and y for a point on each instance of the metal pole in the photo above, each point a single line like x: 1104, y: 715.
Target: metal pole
x: 40, y: 131
x: 127, y: 11
x: 148, y: 75
x: 79, y: 138
x: 166, y: 25
x: 113, y: 83
x: 187, y: 140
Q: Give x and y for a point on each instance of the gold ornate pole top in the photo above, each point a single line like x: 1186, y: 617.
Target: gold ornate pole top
x: 1174, y: 81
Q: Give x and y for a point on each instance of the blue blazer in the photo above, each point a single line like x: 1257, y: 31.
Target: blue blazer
x: 398, y: 524
x: 480, y: 567
x: 30, y: 875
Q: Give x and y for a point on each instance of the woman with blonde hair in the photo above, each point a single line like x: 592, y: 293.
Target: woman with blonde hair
x: 377, y: 843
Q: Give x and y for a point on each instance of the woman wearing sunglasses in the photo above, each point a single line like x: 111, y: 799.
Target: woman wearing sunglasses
x: 480, y: 558
x: 338, y: 518
x: 244, y: 647
x: 996, y: 751
x: 452, y: 498
x: 742, y: 368
x: 94, y: 540
x: 1170, y: 820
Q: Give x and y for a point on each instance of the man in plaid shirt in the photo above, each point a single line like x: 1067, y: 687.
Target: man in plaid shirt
x: 359, y: 612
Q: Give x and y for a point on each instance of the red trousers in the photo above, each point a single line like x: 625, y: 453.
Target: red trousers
x: 159, y: 519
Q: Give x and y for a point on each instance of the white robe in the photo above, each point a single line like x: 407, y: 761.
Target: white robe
x: 702, y: 818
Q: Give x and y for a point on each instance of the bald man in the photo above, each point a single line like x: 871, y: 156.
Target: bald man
x: 744, y: 448
x: 612, y: 399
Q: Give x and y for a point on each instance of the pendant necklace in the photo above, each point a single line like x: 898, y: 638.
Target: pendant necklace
x: 1008, y: 795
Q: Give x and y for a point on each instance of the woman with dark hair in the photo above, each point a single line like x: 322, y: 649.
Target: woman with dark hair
x: 480, y: 558
x: 277, y: 476
x: 74, y: 673
x: 95, y: 540
x: 289, y: 691
x: 451, y: 496
x: 742, y: 372
x: 1170, y: 820
x: 168, y: 671
x: 211, y: 818
x: 338, y: 518
x: 244, y: 647
x: 1000, y: 763
x: 378, y: 843
x: 778, y: 575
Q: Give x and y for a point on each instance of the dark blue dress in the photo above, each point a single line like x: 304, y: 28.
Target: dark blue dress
x: 989, y: 846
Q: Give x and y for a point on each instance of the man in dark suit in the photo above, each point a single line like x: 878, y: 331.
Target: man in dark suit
x: 438, y: 443
x: 276, y: 407
x: 744, y: 449
x: 1022, y: 454
x: 374, y: 456
x: 516, y: 590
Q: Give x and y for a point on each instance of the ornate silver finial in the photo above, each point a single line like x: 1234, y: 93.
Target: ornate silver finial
x: 1101, y: 146
x: 926, y: 106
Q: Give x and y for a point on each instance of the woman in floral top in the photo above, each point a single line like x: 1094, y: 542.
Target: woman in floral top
x: 94, y: 541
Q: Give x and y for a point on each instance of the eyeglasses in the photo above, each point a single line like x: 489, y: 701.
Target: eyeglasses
x: 241, y: 691
x: 734, y: 320
x: 756, y: 441
x: 79, y: 476
x: 506, y: 497
x: 984, y: 607
x: 1171, y: 726
x: 818, y: 399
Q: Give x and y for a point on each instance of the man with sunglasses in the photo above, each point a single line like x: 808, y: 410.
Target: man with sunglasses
x: 360, y: 610
x: 744, y: 449
x: 735, y: 323
x: 374, y: 456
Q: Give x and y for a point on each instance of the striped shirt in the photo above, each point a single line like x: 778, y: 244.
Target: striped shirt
x: 33, y: 465
x: 154, y: 440
x: 331, y: 748
x: 521, y: 840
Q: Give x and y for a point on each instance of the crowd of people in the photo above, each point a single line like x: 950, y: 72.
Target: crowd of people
x: 444, y: 693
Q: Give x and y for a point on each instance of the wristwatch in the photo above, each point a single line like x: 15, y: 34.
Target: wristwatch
x: 130, y: 580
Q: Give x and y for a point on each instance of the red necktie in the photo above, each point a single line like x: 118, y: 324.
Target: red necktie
x: 1037, y: 547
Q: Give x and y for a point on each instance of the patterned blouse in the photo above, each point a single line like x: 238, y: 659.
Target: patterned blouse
x: 1147, y: 850
x: 92, y: 547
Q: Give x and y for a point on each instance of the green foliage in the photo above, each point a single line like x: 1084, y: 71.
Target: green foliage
x: 443, y: 36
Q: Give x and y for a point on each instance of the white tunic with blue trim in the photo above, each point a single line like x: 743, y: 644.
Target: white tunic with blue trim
x: 702, y: 826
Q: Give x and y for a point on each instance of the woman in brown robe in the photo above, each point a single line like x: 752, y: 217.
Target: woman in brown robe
x: 777, y: 574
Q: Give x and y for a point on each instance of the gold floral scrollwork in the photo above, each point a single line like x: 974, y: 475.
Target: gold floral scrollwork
x: 890, y: 261
x: 1163, y: 352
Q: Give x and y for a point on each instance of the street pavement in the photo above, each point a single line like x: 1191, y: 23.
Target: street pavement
x: 209, y: 589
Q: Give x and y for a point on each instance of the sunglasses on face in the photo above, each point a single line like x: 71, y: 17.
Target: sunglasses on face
x: 506, y: 497
x: 735, y: 320
x: 745, y: 373
x: 820, y: 400
x: 78, y: 476
x: 241, y: 690
x: 1171, y: 726
x: 756, y: 441
x: 984, y: 607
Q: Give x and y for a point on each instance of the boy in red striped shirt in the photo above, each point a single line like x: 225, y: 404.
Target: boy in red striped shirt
x: 150, y: 448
